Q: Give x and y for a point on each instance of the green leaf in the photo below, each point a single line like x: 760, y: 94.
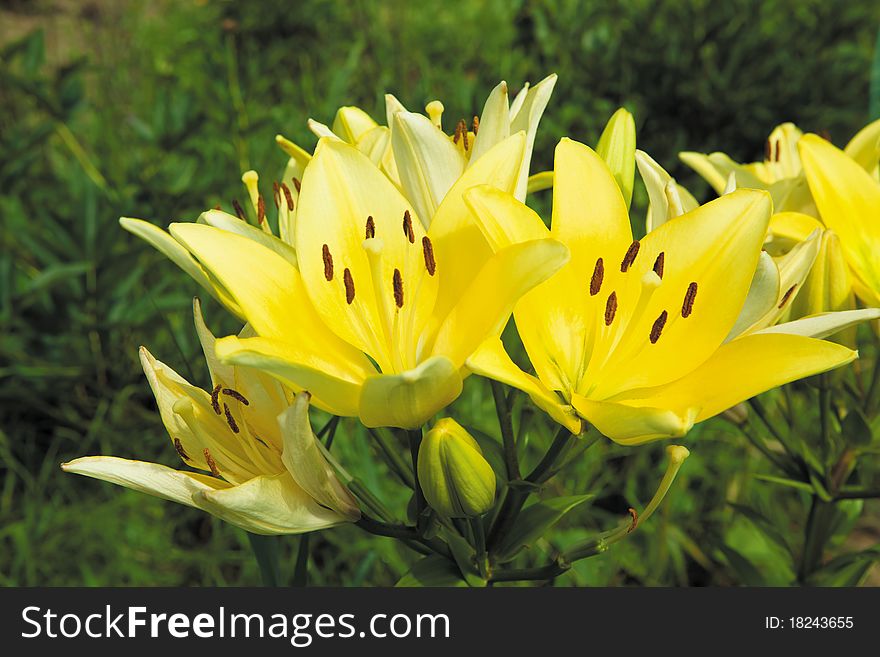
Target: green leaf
x: 855, y: 427
x: 432, y: 570
x: 761, y: 522
x: 846, y: 570
x: 535, y: 521
x: 744, y: 569
x: 463, y: 554
x: 782, y: 481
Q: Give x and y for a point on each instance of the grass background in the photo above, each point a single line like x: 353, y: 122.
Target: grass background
x: 153, y: 109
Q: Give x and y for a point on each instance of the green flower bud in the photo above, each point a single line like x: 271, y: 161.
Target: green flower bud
x: 455, y: 478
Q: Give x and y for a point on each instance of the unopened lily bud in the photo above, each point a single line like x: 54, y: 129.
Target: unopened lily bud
x: 455, y: 478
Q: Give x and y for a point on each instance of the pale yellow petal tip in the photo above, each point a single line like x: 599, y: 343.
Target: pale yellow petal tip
x: 677, y: 454
x: 250, y: 177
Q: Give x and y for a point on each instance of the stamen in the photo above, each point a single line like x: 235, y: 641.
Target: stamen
x: 428, y: 252
x: 229, y: 419
x: 181, y: 452
x: 768, y: 151
x: 235, y: 394
x: 630, y: 256
x: 398, y: 289
x: 328, y: 262
x: 787, y: 296
x: 261, y: 209
x: 464, y: 134
x: 211, y: 463
x: 476, y: 125
x: 408, y: 227
x: 276, y: 194
x: 657, y: 328
x: 688, y: 306
x: 458, y: 128
x: 371, y: 228
x: 288, y: 196
x: 610, y: 308
x: 349, y: 285
x: 778, y: 149
x: 297, y: 185
x: 239, y: 211
x: 659, y: 263
x: 215, y: 401
x: 598, y: 276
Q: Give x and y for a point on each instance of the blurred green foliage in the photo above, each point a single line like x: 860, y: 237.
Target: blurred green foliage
x: 153, y: 110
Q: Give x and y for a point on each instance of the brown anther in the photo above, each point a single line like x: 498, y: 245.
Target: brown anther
x: 768, y: 151
x: 476, y: 125
x: 297, y: 185
x: 428, y: 252
x: 236, y: 395
x: 458, y: 129
x: 261, y: 209
x: 778, y: 149
x: 181, y: 452
x: 217, y: 207
x: 276, y: 195
x: 598, y: 276
x: 630, y: 256
x: 288, y: 196
x: 349, y: 285
x: 687, y: 306
x: 370, y: 231
x: 328, y: 262
x: 657, y: 328
x: 408, y: 227
x: 398, y: 288
x: 464, y: 134
x: 211, y: 463
x: 610, y: 308
x: 229, y: 419
x: 659, y: 263
x: 215, y: 399
x: 239, y: 211
x: 635, y: 519
x: 787, y: 296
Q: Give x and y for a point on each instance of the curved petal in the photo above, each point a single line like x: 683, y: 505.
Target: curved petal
x: 762, y: 298
x: 351, y: 123
x: 491, y: 360
x: 168, y: 246
x: 525, y: 114
x: 225, y: 221
x: 741, y: 369
x: 822, y: 325
x: 269, y: 505
x: 494, y: 123
x: 409, y: 399
x: 633, y: 425
x: 270, y: 292
x: 617, y: 146
x: 848, y: 199
x: 306, y: 463
x: 864, y: 147
x: 502, y: 219
x: 333, y: 390
x: 486, y: 305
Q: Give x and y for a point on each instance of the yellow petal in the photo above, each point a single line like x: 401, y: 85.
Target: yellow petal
x: 306, y: 463
x: 502, y: 219
x: 486, y: 305
x: 269, y: 505
x: 617, y: 146
x: 792, y: 227
x: 351, y: 123
x: 826, y: 286
x: 171, y: 248
x: 427, y: 161
x: 666, y: 198
x: 271, y: 294
x: 225, y: 221
x: 494, y: 123
x: 864, y: 148
x: 762, y: 298
x: 848, y: 199
x: 491, y: 360
x: 716, y: 168
x: 334, y: 389
x: 823, y: 325
x: 540, y: 181
x: 633, y: 425
x: 741, y: 369
x: 525, y: 115
x: 410, y: 399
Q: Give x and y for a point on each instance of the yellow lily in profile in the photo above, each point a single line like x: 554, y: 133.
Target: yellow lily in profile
x: 782, y: 172
x: 630, y: 336
x: 848, y: 199
x: 379, y: 316
x: 418, y: 156
x: 264, y: 468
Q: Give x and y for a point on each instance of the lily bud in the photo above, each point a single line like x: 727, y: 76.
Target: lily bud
x: 455, y: 478
x: 617, y: 146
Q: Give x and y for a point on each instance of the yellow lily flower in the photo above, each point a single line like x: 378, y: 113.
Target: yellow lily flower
x: 380, y: 315
x: 781, y: 172
x: 265, y: 470
x: 848, y: 199
x: 415, y: 153
x: 630, y: 335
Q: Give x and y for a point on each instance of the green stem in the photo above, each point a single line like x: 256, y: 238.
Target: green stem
x: 478, y: 535
x: 761, y: 412
x: 400, y: 467
x: 407, y: 534
x: 301, y: 570
x: 770, y: 456
x: 414, y: 437
x: 266, y: 551
x: 502, y: 408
